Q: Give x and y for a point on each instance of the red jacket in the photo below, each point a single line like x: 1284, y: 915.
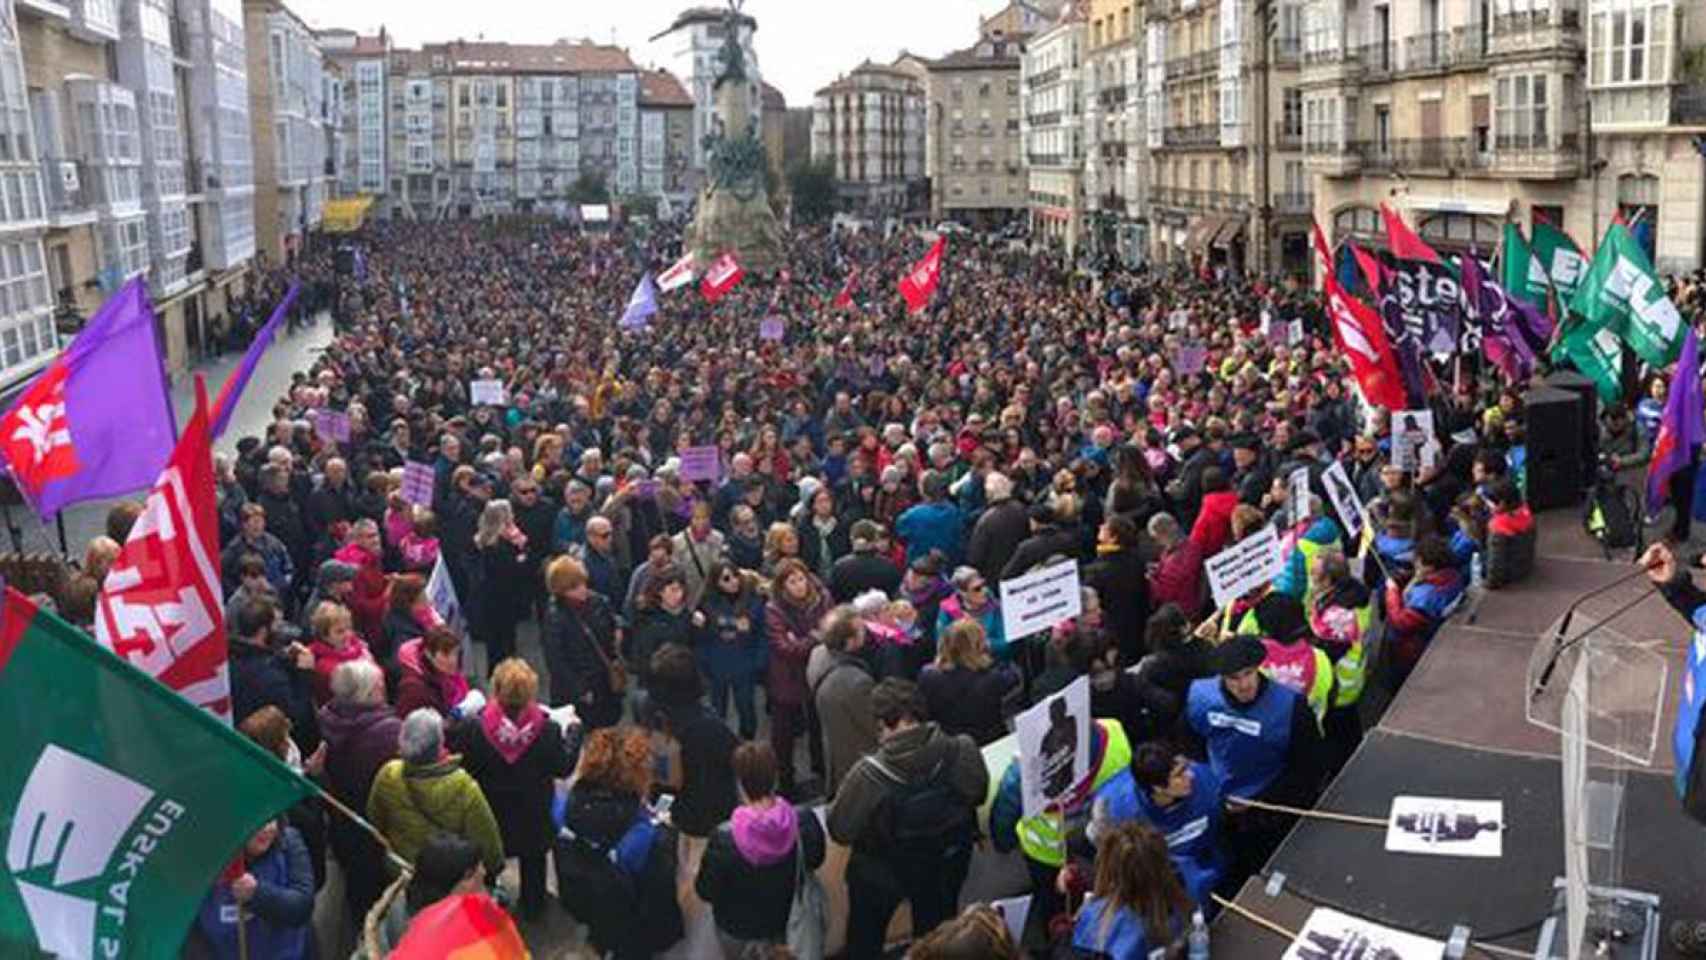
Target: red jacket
x: 1512, y: 523
x: 370, y: 596
x: 1177, y: 578
x: 1214, y: 522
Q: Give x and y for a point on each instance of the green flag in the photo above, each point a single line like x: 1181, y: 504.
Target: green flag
x: 120, y: 801
x: 1520, y: 271
x: 1598, y: 354
x: 1560, y: 259
x: 1622, y: 293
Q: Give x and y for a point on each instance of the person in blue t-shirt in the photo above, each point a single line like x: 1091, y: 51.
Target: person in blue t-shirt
x: 1136, y: 903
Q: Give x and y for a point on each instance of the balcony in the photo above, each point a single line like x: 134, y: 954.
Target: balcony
x: 1294, y: 204
x: 1113, y: 152
x: 1046, y: 159
x: 1222, y: 200
x: 1205, y: 61
x: 1288, y: 51
x: 1537, y: 31
x: 986, y: 166
x: 1050, y: 118
x: 68, y: 192
x: 1379, y: 59
x: 1178, y: 67
x: 1427, y: 52
x: 1688, y: 104
x: 1332, y: 66
x: 1524, y: 158
x: 1333, y: 159
x: 1048, y: 76
x: 1112, y: 97
x: 1287, y: 139
x: 1469, y: 45
x: 1197, y: 135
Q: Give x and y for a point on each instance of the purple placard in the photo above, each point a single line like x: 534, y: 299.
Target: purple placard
x: 332, y: 425
x: 418, y: 482
x: 701, y: 463
x: 770, y: 328
x: 1189, y: 359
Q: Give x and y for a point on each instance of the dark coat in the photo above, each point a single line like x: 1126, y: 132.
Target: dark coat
x: 519, y: 793
x: 501, y: 596
x: 578, y: 674
x: 284, y: 521
x: 603, y: 815
x: 261, y: 678
x: 750, y: 901
x: 652, y: 630
x: 1120, y: 583
x: 708, y: 794
x: 840, y: 543
x: 969, y: 701
x: 1038, y: 548
x: 359, y: 740
x: 996, y: 537
x: 857, y: 573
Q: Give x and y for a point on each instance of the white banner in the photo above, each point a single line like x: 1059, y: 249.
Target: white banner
x: 1346, y: 503
x: 441, y: 593
x: 482, y: 393
x: 1040, y: 599
x: 1244, y: 566
x: 1413, y: 442
x: 1054, y: 746
x: 679, y: 275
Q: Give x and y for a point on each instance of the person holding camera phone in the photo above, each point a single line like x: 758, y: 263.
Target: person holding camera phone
x: 270, y: 666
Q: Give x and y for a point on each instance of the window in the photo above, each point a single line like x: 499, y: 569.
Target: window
x: 1292, y: 112
x: 174, y: 230
x: 503, y: 95
x: 1540, y: 213
x: 1383, y: 129
x: 1631, y: 44
x: 23, y: 281
x: 1520, y: 104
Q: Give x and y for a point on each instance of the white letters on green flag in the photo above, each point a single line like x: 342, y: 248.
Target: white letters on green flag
x: 1560, y: 259
x: 1623, y: 294
x: 1598, y: 355
x: 120, y: 801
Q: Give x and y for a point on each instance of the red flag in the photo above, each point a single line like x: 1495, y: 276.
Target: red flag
x: 1372, y: 271
x: 845, y: 297
x: 1403, y: 241
x: 38, y: 434
x: 721, y: 277
x: 1360, y: 336
x: 160, y: 607
x: 920, y: 283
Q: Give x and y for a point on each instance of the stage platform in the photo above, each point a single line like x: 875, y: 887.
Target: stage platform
x: 1458, y: 729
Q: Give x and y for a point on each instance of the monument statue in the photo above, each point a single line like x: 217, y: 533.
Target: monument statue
x: 734, y: 212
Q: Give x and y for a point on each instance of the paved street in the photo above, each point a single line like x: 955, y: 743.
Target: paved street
x: 288, y: 354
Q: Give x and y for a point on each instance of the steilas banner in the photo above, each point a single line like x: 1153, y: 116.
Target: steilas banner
x: 160, y: 607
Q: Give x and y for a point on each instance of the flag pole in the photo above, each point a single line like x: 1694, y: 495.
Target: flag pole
x: 242, y: 934
x: 358, y: 820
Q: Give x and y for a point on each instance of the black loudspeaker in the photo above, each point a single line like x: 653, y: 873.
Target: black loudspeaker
x: 1588, y: 397
x: 1557, y: 469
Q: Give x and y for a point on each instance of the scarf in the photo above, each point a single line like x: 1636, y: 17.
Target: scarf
x: 508, y: 737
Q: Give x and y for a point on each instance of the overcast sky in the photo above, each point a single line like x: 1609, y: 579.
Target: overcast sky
x: 802, y: 44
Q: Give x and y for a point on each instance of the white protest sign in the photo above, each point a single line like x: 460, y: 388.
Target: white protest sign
x: 1297, y: 493
x: 1294, y: 335
x: 1346, y: 503
x: 1040, y: 599
x: 1054, y: 746
x: 1330, y: 934
x: 483, y: 393
x: 1244, y: 566
x: 1013, y: 911
x: 1412, y: 433
x: 441, y: 592
x: 1443, y: 827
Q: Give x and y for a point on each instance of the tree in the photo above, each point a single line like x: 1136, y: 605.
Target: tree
x: 813, y: 188
x: 640, y: 205
x: 590, y: 188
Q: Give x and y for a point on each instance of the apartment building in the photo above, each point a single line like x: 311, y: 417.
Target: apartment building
x: 666, y: 134
x: 1021, y: 18
x: 974, y: 146
x: 699, y: 35
x: 870, y: 125
x: 1468, y: 114
x: 1053, y: 130
x: 125, y: 154
x: 361, y: 134
x: 1116, y: 163
x: 287, y: 111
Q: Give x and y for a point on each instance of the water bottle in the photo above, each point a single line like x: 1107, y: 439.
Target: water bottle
x: 1197, y: 945
x: 1478, y: 570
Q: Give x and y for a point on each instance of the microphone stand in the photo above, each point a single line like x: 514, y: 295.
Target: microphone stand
x: 1560, y: 645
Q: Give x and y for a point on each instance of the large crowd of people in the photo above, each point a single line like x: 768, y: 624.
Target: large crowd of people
x: 642, y: 656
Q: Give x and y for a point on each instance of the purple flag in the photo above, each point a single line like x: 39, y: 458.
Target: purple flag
x: 98, y: 421
x: 641, y: 305
x: 1682, y: 427
x: 226, y: 403
x: 1501, y: 328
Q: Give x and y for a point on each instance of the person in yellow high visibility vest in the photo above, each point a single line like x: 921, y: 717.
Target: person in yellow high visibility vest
x: 1341, y: 617
x: 1043, y: 837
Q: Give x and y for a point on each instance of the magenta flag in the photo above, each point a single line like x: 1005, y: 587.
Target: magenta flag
x: 226, y: 403
x: 98, y: 421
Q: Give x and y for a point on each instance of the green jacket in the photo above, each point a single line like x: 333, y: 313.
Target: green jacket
x: 408, y: 804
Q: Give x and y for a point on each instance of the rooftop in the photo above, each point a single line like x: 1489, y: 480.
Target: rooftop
x: 773, y: 98
x: 561, y: 57
x: 986, y: 54
x: 660, y: 88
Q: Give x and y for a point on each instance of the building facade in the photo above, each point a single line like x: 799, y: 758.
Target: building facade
x: 870, y: 126
x: 974, y: 146
x: 287, y: 113
x: 1053, y: 131
x: 1468, y: 115
x: 666, y: 137
x: 361, y: 136
x: 1116, y: 161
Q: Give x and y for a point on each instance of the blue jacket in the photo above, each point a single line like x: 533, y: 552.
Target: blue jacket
x: 1248, y: 744
x: 1686, y: 736
x: 994, y: 628
x: 277, y: 916
x: 932, y: 526
x: 1191, y: 825
x: 1125, y: 938
x: 569, y: 530
x: 1463, y: 548
x: 1293, y: 581
x: 724, y: 649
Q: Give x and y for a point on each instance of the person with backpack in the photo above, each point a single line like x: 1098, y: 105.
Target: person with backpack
x: 615, y: 859
x: 755, y: 862
x: 909, y: 813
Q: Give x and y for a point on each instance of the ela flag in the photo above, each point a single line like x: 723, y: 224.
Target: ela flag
x: 120, y: 801
x: 1529, y: 286
x: 920, y: 282
x: 97, y: 422
x: 1682, y: 427
x: 641, y: 305
x: 1357, y: 330
x: 679, y: 275
x: 1623, y: 294
x: 722, y: 276
x: 845, y: 297
x: 1560, y: 260
x: 1497, y: 314
x: 226, y: 403
x: 161, y: 607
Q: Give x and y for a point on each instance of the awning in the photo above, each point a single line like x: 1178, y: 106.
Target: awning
x: 1230, y: 229
x: 345, y: 215
x: 1201, y: 229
